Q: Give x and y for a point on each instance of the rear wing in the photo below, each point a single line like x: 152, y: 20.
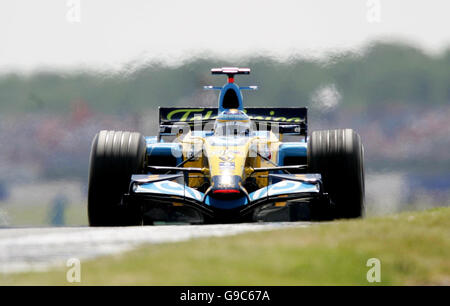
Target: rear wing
x: 290, y: 120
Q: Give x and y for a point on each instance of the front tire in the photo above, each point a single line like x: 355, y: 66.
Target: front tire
x: 115, y: 156
x: 338, y: 155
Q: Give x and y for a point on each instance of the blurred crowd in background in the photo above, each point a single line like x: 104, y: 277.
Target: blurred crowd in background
x: 401, y: 108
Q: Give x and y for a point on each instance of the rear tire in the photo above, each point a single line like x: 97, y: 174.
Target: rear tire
x: 338, y: 155
x: 115, y: 156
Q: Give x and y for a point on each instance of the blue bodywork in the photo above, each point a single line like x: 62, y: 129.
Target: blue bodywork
x: 164, y: 149
x: 291, y: 149
x: 225, y: 90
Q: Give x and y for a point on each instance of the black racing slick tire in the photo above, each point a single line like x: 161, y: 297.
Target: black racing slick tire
x: 115, y: 156
x: 338, y: 155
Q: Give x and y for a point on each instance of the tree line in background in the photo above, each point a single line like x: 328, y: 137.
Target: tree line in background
x: 384, y: 74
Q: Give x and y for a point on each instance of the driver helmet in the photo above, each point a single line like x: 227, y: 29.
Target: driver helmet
x: 232, y: 122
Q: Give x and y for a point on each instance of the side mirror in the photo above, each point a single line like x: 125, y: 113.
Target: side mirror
x: 171, y: 130
x: 291, y: 129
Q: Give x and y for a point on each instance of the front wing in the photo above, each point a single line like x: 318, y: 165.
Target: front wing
x: 171, y: 189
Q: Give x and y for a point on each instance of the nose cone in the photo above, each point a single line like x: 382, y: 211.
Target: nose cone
x: 226, y: 186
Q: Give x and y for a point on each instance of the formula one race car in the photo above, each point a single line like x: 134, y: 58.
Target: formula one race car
x: 226, y: 164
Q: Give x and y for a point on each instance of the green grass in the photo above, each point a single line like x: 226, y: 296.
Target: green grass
x: 414, y: 249
x: 38, y: 214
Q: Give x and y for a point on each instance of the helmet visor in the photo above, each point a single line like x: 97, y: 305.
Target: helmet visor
x: 232, y: 128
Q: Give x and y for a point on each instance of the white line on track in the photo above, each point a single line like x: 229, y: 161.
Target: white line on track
x: 38, y: 249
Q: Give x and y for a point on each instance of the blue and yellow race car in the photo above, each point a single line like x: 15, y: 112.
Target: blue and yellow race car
x: 226, y: 164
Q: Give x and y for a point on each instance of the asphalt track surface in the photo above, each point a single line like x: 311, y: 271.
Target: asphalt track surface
x: 38, y: 249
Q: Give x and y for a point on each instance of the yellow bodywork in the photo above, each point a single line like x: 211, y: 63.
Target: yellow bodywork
x: 241, y: 151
